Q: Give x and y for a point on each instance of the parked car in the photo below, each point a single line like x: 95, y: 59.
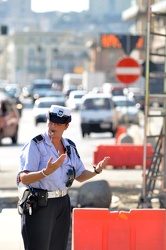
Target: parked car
x: 41, y: 107
x: 128, y: 110
x: 98, y: 114
x: 9, y: 119
x: 13, y: 91
x: 75, y: 99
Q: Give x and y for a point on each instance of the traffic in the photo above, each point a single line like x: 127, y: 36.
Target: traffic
x: 86, y: 146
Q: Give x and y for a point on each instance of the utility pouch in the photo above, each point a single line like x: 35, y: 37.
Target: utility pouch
x: 42, y: 198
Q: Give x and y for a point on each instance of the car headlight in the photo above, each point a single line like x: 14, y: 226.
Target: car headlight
x: 19, y: 106
x: 36, y: 96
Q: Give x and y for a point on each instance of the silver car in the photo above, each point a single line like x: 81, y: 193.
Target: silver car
x: 128, y: 110
x: 42, y: 105
x: 98, y: 114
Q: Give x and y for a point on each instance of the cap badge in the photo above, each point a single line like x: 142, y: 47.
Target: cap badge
x: 60, y: 113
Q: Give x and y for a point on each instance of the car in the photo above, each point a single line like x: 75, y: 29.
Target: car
x: 57, y: 94
x: 9, y: 119
x: 97, y: 90
x: 75, y: 99
x: 42, y: 106
x: 40, y: 88
x: 140, y: 99
x: 128, y: 109
x: 67, y: 91
x: 114, y: 89
x: 13, y: 90
x: 27, y: 91
x: 98, y: 114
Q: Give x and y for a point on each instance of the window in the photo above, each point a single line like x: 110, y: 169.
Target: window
x: 97, y: 103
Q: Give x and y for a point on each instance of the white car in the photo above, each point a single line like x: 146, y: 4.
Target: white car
x: 98, y: 114
x: 75, y: 99
x: 128, y: 109
x: 42, y: 106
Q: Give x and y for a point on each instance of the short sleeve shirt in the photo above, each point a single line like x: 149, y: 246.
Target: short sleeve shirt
x: 34, y: 157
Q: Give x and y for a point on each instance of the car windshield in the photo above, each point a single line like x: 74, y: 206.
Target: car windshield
x: 116, y: 92
x: 44, y: 104
x: 48, y: 104
x: 97, y: 103
x: 42, y: 86
x: 54, y: 94
x: 78, y: 96
x: 124, y: 103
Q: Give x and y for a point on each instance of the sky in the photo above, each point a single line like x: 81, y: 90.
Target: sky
x: 59, y: 5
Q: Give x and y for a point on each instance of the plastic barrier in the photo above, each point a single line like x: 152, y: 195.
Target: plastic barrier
x: 100, y: 229
x: 148, y: 229
x: 128, y: 155
x: 120, y: 130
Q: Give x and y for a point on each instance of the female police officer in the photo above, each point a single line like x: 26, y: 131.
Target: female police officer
x: 49, y: 164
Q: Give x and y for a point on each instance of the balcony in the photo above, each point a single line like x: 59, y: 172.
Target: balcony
x: 133, y: 12
x: 159, y: 7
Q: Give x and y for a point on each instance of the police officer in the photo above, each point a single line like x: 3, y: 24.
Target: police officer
x: 49, y: 164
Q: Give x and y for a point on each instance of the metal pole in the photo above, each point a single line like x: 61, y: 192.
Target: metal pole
x: 164, y: 121
x: 146, y: 97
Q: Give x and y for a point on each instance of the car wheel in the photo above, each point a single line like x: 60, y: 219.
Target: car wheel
x: 0, y: 138
x: 83, y: 133
x: 15, y: 137
x: 36, y: 122
x: 113, y: 133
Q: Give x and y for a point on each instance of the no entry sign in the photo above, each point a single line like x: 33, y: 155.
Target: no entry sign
x: 127, y: 70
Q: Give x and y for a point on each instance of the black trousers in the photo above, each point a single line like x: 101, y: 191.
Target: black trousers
x: 48, y: 228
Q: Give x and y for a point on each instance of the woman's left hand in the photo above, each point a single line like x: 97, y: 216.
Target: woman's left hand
x: 102, y: 164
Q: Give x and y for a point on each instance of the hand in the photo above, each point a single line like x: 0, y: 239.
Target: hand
x: 102, y: 164
x: 52, y: 166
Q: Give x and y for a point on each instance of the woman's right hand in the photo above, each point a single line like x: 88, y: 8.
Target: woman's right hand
x: 52, y: 166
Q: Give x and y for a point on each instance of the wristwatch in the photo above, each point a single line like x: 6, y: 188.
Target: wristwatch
x: 96, y: 170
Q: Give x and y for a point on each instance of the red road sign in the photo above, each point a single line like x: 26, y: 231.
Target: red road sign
x: 127, y: 70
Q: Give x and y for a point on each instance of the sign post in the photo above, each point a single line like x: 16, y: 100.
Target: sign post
x: 127, y: 70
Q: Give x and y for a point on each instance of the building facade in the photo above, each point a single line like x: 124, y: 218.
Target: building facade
x: 29, y: 55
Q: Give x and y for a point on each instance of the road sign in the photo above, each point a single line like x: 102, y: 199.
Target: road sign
x: 127, y: 70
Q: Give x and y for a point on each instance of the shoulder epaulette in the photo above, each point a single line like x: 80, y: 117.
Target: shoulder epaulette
x: 37, y: 139
x: 71, y: 142
x: 73, y: 145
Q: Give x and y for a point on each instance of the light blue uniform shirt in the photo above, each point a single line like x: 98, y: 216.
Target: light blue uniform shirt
x: 34, y: 157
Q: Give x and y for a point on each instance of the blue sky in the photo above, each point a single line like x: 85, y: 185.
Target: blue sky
x: 59, y: 5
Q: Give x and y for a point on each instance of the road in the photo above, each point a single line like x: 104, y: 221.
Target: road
x: 86, y: 146
x: 122, y: 181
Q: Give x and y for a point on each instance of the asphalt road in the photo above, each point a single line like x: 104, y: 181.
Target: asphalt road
x: 125, y: 183
x: 9, y: 160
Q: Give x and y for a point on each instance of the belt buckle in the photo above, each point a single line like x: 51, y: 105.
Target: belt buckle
x: 57, y: 193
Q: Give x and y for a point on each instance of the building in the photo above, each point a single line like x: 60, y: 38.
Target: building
x: 29, y: 55
x: 35, y: 48
x: 111, y: 8
x: 138, y: 14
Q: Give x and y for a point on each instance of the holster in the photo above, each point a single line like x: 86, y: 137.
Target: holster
x: 31, y: 201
